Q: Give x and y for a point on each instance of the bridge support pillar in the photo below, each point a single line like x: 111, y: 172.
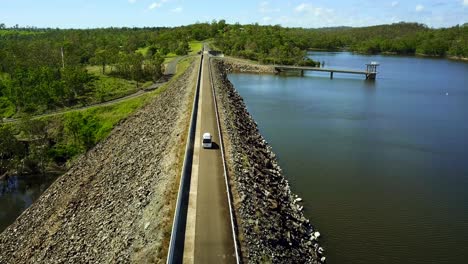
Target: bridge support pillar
x: 331, y: 75
x: 302, y: 73
x: 371, y: 76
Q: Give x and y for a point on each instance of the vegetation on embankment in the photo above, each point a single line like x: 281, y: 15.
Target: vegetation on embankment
x: 32, y: 146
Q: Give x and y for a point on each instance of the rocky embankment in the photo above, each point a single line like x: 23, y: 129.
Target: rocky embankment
x: 239, y: 65
x: 272, y: 227
x: 115, y: 204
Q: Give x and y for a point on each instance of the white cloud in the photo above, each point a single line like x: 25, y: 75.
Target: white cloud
x: 465, y: 2
x: 419, y: 8
x: 266, y: 19
x: 302, y: 7
x: 315, y: 11
x: 131, y: 1
x: 157, y: 4
x: 177, y: 10
x: 264, y: 8
x: 395, y: 3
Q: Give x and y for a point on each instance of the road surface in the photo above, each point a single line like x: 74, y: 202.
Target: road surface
x: 211, y: 231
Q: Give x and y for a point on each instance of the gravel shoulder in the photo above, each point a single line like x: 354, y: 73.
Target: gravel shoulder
x: 115, y: 204
x: 270, y: 222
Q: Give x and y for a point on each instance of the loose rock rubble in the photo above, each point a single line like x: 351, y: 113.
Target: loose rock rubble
x: 115, y: 204
x: 238, y: 65
x: 272, y: 227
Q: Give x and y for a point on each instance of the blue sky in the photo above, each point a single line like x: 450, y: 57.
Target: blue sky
x: 291, y: 13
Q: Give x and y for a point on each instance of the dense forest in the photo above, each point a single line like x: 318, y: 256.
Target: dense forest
x: 275, y: 44
x: 42, y: 70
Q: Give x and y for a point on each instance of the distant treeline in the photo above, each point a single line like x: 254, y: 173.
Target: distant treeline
x: 399, y: 38
x: 275, y: 44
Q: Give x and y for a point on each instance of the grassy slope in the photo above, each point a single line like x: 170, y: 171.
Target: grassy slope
x: 108, y: 116
x: 195, y: 46
x: 108, y: 88
x: 103, y: 119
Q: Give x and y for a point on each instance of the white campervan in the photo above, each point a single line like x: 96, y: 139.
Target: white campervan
x: 207, y: 143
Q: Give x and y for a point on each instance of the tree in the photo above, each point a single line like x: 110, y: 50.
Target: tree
x: 36, y: 134
x: 11, y: 150
x: 136, y: 66
x: 101, y: 56
x: 76, y: 83
x: 72, y: 125
x: 154, y: 67
x: 82, y: 128
x: 182, y: 48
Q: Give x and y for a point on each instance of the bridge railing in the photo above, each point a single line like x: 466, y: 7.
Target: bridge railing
x: 176, y: 244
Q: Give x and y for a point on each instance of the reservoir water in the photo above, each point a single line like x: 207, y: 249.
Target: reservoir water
x: 18, y: 193
x: 382, y: 166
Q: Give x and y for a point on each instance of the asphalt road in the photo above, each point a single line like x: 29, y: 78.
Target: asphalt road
x: 213, y: 234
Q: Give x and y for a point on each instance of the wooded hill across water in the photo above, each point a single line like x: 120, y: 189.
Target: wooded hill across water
x: 44, y: 70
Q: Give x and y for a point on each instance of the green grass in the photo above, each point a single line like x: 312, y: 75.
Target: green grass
x: 143, y: 51
x: 77, y: 131
x: 108, y: 88
x: 108, y: 116
x: 195, y: 46
x: 7, y: 109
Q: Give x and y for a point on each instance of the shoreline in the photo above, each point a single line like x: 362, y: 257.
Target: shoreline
x: 239, y: 65
x: 388, y: 53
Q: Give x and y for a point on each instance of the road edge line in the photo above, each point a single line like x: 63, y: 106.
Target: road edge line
x: 228, y: 189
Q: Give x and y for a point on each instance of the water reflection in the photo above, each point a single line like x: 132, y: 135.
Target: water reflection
x: 18, y: 193
x: 381, y: 165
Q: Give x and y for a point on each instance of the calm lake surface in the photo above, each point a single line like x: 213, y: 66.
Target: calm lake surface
x: 382, y: 166
x: 18, y: 193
